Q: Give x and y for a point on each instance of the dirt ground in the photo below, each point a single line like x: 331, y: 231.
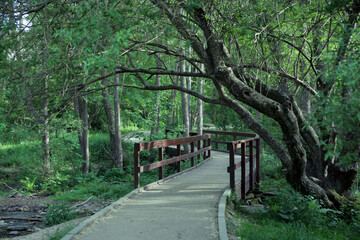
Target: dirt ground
x: 21, y: 215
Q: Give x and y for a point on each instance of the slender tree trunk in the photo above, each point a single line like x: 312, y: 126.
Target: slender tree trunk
x: 156, y: 118
x: 118, y: 158
x: 185, y: 108
x: 46, y: 133
x: 81, y: 107
x: 172, y: 114
x: 109, y: 112
x: 189, y: 83
x: 200, y: 109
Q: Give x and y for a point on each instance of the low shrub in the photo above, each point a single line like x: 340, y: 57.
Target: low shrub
x: 58, y: 213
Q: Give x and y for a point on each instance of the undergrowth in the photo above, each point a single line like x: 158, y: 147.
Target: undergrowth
x: 290, y: 215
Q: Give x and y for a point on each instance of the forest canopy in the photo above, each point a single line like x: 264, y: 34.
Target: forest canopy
x: 293, y: 63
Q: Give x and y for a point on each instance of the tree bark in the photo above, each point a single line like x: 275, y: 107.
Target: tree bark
x: 185, y: 107
x: 81, y: 107
x: 156, y: 118
x: 200, y: 108
x: 109, y: 112
x: 118, y: 158
x: 191, y: 117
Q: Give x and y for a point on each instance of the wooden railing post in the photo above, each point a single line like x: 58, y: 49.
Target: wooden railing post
x: 216, y: 143
x: 243, y: 170
x: 198, y: 148
x: 209, y: 144
x: 231, y: 169
x: 258, y: 160
x: 161, y: 155
x: 136, y: 165
x: 192, y: 145
x: 178, y: 147
x: 204, y: 145
x: 251, y: 164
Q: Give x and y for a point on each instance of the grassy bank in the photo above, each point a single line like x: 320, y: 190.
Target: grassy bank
x: 289, y: 215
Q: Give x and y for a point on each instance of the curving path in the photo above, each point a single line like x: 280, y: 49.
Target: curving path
x: 184, y: 207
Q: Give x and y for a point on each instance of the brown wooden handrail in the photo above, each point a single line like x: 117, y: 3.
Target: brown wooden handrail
x: 250, y: 177
x: 249, y: 163
x: 160, y: 144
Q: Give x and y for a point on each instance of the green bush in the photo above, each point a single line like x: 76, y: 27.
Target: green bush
x: 29, y: 184
x: 58, y: 213
x: 291, y: 206
x: 116, y: 175
x: 55, y: 184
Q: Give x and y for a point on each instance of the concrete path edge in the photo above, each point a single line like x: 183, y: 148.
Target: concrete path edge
x: 105, y: 210
x: 221, y: 215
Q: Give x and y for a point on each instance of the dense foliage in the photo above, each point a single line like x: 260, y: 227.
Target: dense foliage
x: 287, y: 70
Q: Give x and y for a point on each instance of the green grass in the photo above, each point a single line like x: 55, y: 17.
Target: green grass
x: 290, y: 215
x: 59, y: 234
x: 271, y: 229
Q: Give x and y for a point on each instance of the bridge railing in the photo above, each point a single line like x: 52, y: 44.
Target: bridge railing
x: 249, y: 164
x: 205, y: 149
x: 243, y: 144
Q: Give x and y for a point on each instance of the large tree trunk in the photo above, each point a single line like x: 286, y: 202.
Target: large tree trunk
x: 299, y: 150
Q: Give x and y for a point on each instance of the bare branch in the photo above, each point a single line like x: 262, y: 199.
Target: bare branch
x: 121, y: 69
x: 179, y: 88
x: 284, y: 75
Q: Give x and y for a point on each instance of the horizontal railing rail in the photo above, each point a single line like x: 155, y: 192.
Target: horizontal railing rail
x: 249, y: 159
x: 249, y: 164
x: 205, y: 149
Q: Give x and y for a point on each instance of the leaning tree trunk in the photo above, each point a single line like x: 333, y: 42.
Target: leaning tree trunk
x: 235, y: 86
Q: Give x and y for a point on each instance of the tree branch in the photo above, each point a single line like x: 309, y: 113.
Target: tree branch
x: 284, y: 75
x: 176, y: 87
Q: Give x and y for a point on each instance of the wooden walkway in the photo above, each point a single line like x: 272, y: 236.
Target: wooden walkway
x: 184, y: 207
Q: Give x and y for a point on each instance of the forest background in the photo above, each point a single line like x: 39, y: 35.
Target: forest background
x: 79, y: 78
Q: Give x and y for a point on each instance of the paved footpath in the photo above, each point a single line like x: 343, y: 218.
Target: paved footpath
x: 184, y: 207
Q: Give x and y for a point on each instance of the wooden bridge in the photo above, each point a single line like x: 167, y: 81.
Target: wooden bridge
x: 185, y: 205
x: 245, y: 142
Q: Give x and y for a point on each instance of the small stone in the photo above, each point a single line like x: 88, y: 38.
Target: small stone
x: 269, y: 194
x: 250, y: 196
x: 3, y: 223
x: 255, y: 202
x: 13, y: 233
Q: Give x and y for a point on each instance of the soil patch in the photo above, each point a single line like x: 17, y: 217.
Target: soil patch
x: 21, y: 215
